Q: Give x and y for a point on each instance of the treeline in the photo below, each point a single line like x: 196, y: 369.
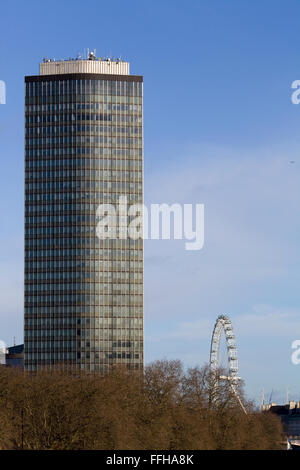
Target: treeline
x: 163, y: 409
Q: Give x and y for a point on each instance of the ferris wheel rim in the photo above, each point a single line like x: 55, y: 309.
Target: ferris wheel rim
x: 223, y: 324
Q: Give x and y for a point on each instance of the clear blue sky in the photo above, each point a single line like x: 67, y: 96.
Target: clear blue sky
x: 220, y: 129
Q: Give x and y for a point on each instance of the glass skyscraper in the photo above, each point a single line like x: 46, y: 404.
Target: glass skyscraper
x: 83, y: 148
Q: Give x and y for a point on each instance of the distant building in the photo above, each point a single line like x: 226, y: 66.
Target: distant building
x: 14, y: 356
x: 289, y: 415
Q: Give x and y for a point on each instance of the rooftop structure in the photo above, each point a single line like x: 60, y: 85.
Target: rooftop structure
x: 91, y: 64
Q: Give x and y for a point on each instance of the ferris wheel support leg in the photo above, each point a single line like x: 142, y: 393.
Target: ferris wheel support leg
x: 238, y: 398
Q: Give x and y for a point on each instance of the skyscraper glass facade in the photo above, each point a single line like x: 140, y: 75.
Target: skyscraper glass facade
x: 83, y: 295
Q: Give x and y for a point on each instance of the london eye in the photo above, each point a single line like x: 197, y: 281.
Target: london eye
x: 223, y: 323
